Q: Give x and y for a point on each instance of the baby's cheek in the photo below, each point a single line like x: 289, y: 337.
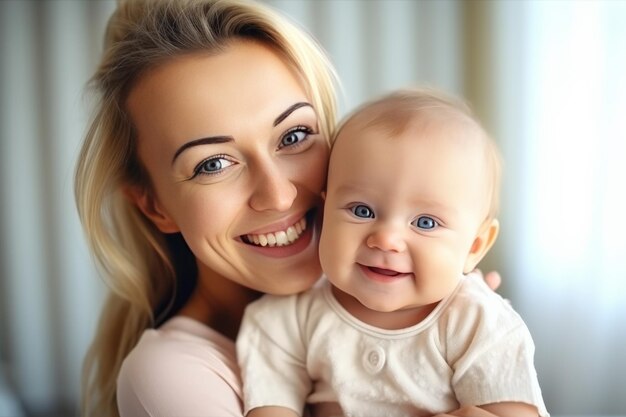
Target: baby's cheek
x: 330, y: 250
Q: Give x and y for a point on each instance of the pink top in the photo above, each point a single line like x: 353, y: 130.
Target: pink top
x: 183, y: 368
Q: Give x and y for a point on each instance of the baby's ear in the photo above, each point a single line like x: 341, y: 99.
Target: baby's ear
x: 482, y: 243
x: 147, y: 203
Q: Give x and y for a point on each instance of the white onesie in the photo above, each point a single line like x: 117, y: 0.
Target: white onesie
x: 473, y: 349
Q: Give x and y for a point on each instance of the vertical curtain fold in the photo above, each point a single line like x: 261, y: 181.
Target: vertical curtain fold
x: 50, y: 293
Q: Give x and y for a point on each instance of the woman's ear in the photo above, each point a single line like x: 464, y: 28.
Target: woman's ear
x: 482, y: 243
x: 151, y: 208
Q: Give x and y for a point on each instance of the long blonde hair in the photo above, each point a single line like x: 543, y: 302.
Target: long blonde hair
x: 141, y: 266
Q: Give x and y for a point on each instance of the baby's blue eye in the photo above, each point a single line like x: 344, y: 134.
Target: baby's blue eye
x: 363, y: 211
x: 425, y: 222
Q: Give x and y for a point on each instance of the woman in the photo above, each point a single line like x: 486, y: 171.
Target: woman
x: 198, y: 186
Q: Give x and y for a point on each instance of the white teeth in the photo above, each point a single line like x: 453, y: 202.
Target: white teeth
x: 281, y: 237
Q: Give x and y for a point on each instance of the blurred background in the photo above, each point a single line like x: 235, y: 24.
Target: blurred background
x: 548, y: 79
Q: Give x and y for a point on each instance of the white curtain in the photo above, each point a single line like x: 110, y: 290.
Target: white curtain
x: 547, y: 77
x: 556, y: 98
x: 50, y: 294
x: 566, y: 222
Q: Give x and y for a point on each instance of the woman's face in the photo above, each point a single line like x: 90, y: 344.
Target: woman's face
x: 232, y: 145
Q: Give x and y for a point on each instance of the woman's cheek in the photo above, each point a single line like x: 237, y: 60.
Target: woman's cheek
x: 208, y: 213
x: 315, y: 166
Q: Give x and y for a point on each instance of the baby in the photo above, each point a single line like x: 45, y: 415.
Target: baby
x: 397, y: 328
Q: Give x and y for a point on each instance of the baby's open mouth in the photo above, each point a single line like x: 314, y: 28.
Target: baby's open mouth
x: 279, y: 238
x: 388, y: 272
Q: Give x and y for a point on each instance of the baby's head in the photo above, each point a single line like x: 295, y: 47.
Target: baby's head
x: 411, y: 200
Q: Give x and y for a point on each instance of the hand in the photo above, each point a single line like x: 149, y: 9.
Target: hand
x: 492, y: 279
x: 470, y: 411
x: 506, y: 408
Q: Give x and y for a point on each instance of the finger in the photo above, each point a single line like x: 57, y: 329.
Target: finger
x: 468, y: 411
x: 493, y: 280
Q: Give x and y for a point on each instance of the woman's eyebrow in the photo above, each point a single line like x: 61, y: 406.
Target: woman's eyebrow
x: 223, y: 139
x: 290, y: 110
x: 202, y: 141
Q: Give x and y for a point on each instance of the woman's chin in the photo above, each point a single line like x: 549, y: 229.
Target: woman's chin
x: 294, y: 284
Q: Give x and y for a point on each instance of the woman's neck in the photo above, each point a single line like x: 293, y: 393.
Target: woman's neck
x: 218, y: 302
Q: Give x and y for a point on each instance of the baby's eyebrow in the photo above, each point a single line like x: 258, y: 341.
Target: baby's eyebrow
x: 202, y: 141
x: 290, y: 110
x: 350, y: 187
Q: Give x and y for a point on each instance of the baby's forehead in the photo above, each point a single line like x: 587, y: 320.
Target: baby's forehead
x: 452, y: 141
x: 394, y: 115
x: 454, y: 138
x: 436, y: 124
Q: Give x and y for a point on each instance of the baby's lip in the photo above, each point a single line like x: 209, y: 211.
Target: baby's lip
x: 384, y: 271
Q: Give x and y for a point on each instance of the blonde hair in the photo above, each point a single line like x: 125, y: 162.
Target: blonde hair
x: 140, y: 265
x: 395, y: 112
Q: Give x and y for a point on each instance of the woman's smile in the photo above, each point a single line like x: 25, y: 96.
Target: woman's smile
x: 283, y: 241
x: 283, y: 237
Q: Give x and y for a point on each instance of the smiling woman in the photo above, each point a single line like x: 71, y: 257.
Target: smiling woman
x: 258, y: 167
x: 199, y: 186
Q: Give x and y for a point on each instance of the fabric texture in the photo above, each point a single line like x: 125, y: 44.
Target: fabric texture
x: 183, y: 368
x: 473, y: 349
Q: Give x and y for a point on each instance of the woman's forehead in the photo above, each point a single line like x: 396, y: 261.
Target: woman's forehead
x: 244, y: 81
x: 240, y: 67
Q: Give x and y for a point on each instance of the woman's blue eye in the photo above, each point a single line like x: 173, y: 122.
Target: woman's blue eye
x: 294, y: 137
x: 212, y: 166
x: 425, y: 222
x: 363, y: 211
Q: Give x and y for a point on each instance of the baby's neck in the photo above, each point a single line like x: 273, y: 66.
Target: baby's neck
x: 393, y: 320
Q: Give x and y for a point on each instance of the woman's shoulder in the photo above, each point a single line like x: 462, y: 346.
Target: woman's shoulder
x: 182, y: 334
x: 181, y: 368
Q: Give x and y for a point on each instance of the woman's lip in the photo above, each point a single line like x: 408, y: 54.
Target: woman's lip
x: 300, y: 245
x: 278, y: 226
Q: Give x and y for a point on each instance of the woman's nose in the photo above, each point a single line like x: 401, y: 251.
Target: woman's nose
x: 273, y: 189
x: 387, y: 239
